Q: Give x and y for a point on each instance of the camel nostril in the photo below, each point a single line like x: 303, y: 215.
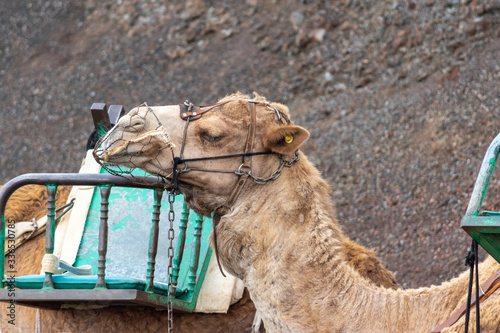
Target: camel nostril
x: 136, y: 123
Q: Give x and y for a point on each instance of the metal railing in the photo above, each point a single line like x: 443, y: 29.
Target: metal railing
x: 484, y: 226
x: 105, y: 182
x: 52, y: 180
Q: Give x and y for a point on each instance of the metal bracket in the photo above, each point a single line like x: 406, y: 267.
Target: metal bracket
x: 115, y: 112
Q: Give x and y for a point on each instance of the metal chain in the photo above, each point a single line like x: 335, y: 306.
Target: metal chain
x: 274, y: 175
x: 171, y: 289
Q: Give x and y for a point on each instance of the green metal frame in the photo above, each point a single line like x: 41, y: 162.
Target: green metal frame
x: 191, y: 259
x: 484, y: 226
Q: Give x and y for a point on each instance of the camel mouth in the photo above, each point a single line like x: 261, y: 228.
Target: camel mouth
x: 135, y: 151
x: 141, y: 143
x: 123, y: 157
x: 124, y: 152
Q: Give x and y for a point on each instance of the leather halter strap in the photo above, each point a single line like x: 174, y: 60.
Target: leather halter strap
x: 492, y: 284
x: 193, y: 112
x: 247, y: 159
x: 247, y: 163
x: 188, y: 113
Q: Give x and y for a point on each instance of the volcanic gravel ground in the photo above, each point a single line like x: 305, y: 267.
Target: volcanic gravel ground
x: 401, y: 97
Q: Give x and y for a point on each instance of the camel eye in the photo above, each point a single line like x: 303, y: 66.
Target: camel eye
x: 210, y: 138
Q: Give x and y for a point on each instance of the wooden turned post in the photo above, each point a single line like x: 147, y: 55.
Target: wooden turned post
x: 153, y: 241
x: 179, y: 247
x: 50, y: 228
x: 193, y: 268
x: 103, y: 237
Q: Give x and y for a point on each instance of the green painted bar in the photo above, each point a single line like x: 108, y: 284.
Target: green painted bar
x: 51, y: 215
x: 181, y: 240
x: 193, y: 267
x: 482, y: 221
x: 187, y: 302
x: 102, y: 247
x: 50, y: 230
x: 484, y: 226
x: 153, y: 241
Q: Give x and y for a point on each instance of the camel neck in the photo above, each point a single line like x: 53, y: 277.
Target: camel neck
x: 272, y: 217
x: 285, y: 243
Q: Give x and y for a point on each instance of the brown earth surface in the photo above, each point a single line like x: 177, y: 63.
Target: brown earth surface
x: 401, y: 97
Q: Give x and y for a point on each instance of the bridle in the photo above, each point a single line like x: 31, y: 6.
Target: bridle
x: 190, y: 112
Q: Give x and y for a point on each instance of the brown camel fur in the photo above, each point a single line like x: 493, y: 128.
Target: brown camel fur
x: 30, y: 201
x: 282, y: 238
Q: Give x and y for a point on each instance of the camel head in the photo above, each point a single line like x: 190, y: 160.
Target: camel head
x: 159, y: 139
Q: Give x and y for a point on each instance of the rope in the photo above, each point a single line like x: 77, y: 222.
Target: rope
x: 82, y: 270
x: 50, y: 263
x: 257, y: 322
x: 38, y: 324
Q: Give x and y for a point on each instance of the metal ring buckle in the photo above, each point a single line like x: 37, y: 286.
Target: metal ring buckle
x: 242, y: 173
x: 35, y: 228
x: 185, y: 169
x: 278, y: 112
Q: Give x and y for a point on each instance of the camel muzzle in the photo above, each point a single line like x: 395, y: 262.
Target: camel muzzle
x: 126, y: 150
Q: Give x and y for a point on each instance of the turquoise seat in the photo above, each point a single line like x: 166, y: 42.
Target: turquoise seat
x: 86, y: 282
x: 89, y: 281
x: 128, y: 256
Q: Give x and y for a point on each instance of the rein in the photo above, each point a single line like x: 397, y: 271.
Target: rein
x: 488, y: 287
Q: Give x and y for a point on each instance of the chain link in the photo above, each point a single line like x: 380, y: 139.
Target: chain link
x: 274, y: 175
x: 171, y: 289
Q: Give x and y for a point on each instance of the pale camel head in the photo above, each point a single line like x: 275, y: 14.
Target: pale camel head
x: 150, y: 137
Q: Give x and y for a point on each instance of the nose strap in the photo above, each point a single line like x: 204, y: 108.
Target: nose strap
x: 189, y: 111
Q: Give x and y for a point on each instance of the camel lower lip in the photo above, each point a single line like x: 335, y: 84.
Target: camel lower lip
x: 120, y: 158
x: 114, y: 154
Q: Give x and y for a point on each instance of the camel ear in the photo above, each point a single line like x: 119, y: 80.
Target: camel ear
x: 285, y: 139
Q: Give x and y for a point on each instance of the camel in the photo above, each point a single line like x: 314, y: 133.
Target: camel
x: 30, y: 202
x: 279, y: 233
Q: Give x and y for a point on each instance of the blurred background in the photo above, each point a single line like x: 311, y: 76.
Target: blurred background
x: 401, y: 97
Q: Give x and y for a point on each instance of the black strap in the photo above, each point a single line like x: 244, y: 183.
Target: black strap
x: 478, y: 319
x: 178, y: 161
x: 472, y: 260
x: 224, y: 156
x: 175, y: 177
x: 218, y: 213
